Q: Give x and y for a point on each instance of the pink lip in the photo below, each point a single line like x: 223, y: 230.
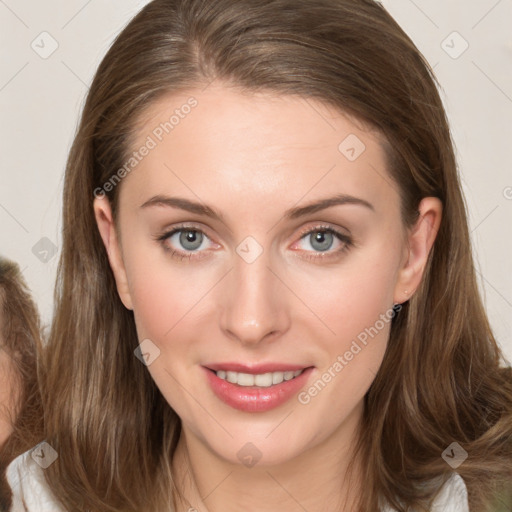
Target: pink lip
x: 256, y: 368
x: 252, y: 398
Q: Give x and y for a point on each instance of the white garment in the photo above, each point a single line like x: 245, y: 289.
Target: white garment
x: 31, y: 494
x: 453, y: 497
x: 29, y: 488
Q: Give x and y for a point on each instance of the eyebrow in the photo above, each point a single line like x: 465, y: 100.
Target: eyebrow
x: 293, y: 213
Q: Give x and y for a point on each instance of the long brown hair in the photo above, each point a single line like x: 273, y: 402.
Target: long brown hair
x: 20, y: 338
x: 440, y: 380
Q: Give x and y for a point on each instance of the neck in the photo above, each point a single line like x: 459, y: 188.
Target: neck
x: 316, y: 479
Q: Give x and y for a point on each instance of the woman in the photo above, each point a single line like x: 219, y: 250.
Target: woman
x: 21, y: 415
x: 206, y: 353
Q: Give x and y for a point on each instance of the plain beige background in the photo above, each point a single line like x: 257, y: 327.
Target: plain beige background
x: 468, y: 43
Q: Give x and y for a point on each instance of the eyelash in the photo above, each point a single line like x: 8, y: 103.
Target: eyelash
x: 181, y: 255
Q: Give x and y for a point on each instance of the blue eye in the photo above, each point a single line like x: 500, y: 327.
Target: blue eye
x: 188, y: 240
x: 322, y: 239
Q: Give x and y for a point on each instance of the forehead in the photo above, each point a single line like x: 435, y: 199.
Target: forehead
x: 257, y: 145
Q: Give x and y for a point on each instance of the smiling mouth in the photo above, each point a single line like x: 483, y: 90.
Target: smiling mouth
x: 262, y: 380
x: 249, y: 391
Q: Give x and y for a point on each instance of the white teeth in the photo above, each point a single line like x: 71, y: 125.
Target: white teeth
x: 245, y: 379
x: 277, y: 378
x: 232, y: 377
x: 263, y: 380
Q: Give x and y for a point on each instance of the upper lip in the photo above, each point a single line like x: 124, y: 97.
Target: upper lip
x: 256, y: 368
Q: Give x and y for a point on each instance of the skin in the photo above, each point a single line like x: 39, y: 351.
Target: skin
x: 7, y: 389
x: 252, y: 157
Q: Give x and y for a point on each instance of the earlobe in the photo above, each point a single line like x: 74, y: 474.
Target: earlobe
x: 106, y: 227
x: 420, y: 241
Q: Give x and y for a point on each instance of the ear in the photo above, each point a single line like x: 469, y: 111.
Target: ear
x: 106, y: 227
x: 420, y: 240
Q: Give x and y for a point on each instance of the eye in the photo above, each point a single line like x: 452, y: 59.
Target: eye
x: 184, y: 242
x: 322, y: 239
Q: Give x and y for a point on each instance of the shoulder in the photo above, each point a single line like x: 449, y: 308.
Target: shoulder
x: 453, y: 497
x: 28, y: 484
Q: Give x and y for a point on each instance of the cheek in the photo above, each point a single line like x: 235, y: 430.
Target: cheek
x: 354, y: 303
x: 362, y: 299
x: 162, y: 291
x: 165, y: 305
x: 352, y: 297
x: 357, y: 309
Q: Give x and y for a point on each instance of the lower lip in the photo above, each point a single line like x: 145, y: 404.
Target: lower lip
x: 253, y: 399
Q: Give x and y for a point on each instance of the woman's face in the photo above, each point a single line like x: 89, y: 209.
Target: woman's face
x: 261, y: 235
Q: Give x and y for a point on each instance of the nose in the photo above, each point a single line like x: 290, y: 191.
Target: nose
x: 254, y: 303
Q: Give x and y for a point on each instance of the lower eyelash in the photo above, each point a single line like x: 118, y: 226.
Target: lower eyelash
x: 179, y: 255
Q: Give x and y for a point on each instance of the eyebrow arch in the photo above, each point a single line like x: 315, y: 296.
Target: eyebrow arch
x: 293, y: 213
x: 322, y: 204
